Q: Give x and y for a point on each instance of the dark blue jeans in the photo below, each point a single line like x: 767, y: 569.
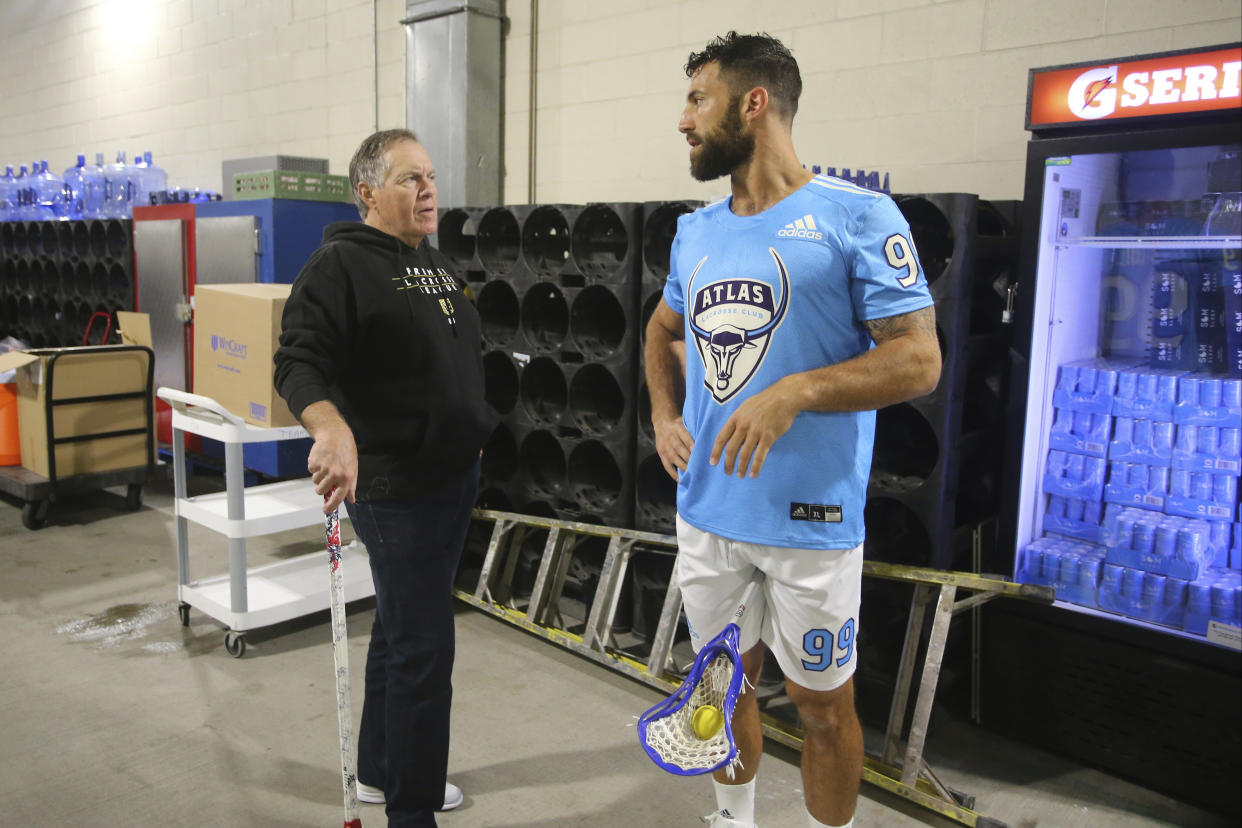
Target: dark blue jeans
x: 403, y: 743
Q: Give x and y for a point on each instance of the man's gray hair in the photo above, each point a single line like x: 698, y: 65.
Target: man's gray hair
x: 368, y: 163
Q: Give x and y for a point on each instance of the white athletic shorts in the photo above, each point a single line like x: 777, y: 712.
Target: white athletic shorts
x: 806, y: 610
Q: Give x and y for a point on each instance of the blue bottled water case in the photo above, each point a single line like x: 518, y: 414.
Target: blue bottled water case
x: 1132, y: 452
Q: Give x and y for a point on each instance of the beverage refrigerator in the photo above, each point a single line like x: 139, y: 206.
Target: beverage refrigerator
x: 1123, y: 454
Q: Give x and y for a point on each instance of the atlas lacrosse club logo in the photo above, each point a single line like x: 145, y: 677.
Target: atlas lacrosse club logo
x: 733, y: 321
x: 1140, y: 87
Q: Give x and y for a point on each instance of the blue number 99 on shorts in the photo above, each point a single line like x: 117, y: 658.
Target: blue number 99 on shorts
x: 818, y: 644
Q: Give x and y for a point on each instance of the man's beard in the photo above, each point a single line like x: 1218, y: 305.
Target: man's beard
x: 724, y: 149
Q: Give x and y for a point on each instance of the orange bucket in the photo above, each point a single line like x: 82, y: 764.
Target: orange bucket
x: 10, y: 444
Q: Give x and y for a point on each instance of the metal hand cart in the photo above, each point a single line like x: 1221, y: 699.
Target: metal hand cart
x: 38, y: 491
x: 244, y: 599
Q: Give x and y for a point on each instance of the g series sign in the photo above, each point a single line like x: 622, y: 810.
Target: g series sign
x: 1141, y: 87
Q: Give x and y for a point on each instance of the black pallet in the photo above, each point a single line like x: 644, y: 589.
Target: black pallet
x: 655, y: 495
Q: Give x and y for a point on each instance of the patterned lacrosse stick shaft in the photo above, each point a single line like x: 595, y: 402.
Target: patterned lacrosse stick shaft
x: 340, y: 654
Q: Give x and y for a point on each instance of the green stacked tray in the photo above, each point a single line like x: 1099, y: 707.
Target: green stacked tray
x: 307, y: 186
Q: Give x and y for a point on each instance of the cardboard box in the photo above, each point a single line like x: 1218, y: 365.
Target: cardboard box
x: 236, y: 331
x: 80, y: 374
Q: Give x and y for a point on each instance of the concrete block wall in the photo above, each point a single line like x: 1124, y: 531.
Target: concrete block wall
x: 196, y: 81
x: 931, y: 90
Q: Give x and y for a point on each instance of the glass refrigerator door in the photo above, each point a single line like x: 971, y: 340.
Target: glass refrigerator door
x: 1131, y: 455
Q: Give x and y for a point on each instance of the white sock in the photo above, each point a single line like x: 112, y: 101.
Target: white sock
x: 812, y: 822
x: 738, y: 800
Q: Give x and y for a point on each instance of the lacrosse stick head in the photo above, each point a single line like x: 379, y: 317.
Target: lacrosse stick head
x: 667, y: 729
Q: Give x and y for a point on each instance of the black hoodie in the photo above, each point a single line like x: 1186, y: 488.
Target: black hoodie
x: 383, y: 331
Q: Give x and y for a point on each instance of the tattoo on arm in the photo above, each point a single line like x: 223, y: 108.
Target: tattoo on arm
x: 917, y: 323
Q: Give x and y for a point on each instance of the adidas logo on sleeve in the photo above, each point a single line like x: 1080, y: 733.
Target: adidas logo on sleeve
x: 803, y: 228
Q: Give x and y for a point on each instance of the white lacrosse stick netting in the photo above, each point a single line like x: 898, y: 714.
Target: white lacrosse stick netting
x: 716, y: 678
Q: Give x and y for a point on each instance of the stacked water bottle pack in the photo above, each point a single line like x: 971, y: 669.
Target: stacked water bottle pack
x: 1143, y: 517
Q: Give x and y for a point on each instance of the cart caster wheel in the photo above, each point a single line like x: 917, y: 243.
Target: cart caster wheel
x: 184, y: 611
x: 133, y: 497
x: 235, y: 644
x: 34, y: 514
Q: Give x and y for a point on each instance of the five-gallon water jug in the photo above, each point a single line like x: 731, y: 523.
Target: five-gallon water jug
x: 118, y: 188
x: 8, y: 195
x: 21, y: 194
x: 49, y: 192
x: 93, y: 188
x: 74, y: 189
x: 156, y: 178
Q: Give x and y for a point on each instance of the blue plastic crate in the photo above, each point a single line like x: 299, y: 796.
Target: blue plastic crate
x: 1081, y: 431
x: 1074, y: 475
x: 1069, y: 566
x: 1146, y: 393
x: 1137, y: 484
x: 1143, y: 595
x: 1161, y: 544
x: 1202, y: 495
x: 1208, y: 400
x: 1208, y: 449
x: 1088, y: 385
x: 1074, y: 517
x: 1216, y: 596
x: 1142, y: 441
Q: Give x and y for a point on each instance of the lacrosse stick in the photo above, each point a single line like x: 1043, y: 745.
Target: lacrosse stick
x: 691, y: 731
x: 340, y: 654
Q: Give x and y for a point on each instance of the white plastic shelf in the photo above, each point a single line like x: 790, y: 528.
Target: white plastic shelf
x: 246, y: 598
x: 281, y: 591
x: 271, y: 507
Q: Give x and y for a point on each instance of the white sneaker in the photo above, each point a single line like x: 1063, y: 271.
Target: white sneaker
x: 723, y: 819
x: 452, y: 795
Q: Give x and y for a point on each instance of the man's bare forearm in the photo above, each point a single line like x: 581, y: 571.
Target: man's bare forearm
x: 320, y: 417
x: 666, y: 377
x: 904, y: 364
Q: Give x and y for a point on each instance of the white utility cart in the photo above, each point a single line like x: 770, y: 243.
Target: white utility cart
x: 245, y: 599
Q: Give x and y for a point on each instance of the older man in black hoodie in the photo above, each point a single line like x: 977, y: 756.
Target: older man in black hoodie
x: 380, y: 358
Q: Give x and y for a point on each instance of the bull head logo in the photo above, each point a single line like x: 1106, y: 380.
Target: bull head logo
x: 733, y: 303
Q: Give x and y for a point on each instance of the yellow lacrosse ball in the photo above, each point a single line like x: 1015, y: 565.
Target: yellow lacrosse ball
x: 707, y: 721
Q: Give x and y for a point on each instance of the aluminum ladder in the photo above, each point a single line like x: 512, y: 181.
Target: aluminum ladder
x: 900, y: 768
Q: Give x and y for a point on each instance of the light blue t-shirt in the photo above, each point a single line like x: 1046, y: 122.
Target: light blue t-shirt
x: 774, y: 294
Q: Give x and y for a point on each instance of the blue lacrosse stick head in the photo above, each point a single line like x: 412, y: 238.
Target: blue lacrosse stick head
x: 727, y: 643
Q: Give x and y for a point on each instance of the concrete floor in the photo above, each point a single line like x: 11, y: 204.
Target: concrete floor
x: 112, y: 713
